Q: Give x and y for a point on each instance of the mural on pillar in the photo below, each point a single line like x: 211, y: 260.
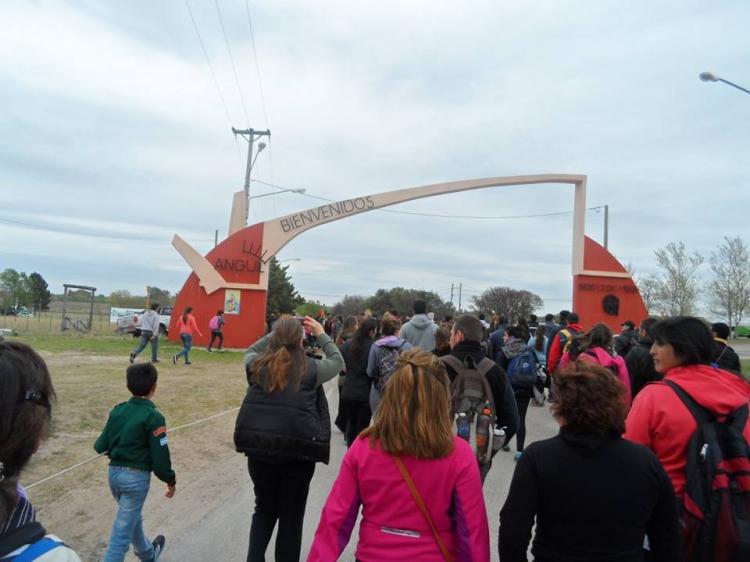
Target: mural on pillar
x: 234, y: 275
x: 605, y: 292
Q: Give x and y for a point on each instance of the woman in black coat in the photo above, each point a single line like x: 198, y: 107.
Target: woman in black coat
x: 355, y: 394
x: 594, y: 495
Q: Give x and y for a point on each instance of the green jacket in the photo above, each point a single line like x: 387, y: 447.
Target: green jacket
x: 136, y: 436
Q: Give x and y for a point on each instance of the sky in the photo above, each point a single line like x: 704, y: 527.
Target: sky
x: 115, y: 134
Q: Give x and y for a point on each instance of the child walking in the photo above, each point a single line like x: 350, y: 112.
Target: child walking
x: 135, y: 439
x: 216, y: 325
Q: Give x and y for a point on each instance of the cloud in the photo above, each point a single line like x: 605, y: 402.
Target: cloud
x: 113, y: 126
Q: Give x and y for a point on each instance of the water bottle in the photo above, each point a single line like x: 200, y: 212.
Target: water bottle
x: 498, y: 439
x: 462, y: 426
x: 484, y: 420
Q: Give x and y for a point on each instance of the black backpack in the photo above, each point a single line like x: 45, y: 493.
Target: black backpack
x: 715, y: 512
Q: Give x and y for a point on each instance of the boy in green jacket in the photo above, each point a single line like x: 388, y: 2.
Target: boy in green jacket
x: 135, y: 440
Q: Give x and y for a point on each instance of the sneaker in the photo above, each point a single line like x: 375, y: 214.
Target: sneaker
x: 517, y: 455
x: 174, y: 359
x: 132, y: 357
x: 506, y: 448
x: 155, y: 361
x: 210, y: 350
x: 158, y: 544
x: 188, y: 362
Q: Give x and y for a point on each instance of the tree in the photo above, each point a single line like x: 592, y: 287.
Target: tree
x: 649, y: 287
x: 39, y: 294
x: 350, y: 305
x: 511, y: 303
x: 729, y: 292
x: 403, y: 299
x: 10, y: 281
x: 120, y: 297
x: 160, y: 295
x: 678, y: 290
x: 282, y: 296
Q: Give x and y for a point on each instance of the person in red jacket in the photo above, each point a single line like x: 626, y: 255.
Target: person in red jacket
x: 186, y: 327
x: 559, y: 341
x: 658, y: 419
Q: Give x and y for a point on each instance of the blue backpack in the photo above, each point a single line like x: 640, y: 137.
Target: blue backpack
x: 37, y: 549
x: 522, y: 371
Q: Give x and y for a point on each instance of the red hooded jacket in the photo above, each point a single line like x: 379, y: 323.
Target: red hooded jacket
x: 556, y: 350
x: 659, y: 420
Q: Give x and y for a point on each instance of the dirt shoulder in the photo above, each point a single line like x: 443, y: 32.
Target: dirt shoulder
x: 78, y: 506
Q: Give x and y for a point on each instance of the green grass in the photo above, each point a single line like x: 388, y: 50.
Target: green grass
x: 113, y: 345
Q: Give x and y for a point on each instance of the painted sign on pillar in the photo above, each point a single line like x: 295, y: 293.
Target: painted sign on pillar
x: 229, y: 278
x: 604, y: 292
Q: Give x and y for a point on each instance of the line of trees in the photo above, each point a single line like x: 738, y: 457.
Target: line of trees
x: 19, y: 289
x: 677, y: 287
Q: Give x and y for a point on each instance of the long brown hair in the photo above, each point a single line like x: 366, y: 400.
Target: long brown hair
x: 284, y: 360
x: 539, y: 339
x: 414, y: 415
x: 188, y: 310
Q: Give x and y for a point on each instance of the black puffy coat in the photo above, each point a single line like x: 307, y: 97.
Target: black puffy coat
x: 292, y: 424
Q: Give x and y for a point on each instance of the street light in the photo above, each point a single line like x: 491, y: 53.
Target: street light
x: 289, y: 259
x: 300, y: 191
x: 710, y: 77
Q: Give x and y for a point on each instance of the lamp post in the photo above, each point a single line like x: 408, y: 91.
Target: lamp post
x: 710, y: 77
x: 300, y: 191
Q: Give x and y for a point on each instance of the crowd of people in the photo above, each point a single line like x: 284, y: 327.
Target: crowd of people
x: 651, y: 462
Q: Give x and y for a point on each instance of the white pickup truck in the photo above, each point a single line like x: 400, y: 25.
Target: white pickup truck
x: 131, y: 324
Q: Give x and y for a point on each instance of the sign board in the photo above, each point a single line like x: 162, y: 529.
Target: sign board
x: 117, y: 313
x: 232, y: 301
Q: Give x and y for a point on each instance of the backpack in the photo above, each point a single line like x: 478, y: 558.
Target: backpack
x: 386, y: 366
x: 213, y: 324
x: 37, y: 550
x: 716, y: 503
x: 522, y: 371
x: 470, y: 390
x: 566, y: 337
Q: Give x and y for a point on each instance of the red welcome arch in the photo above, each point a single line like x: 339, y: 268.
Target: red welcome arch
x: 603, y: 291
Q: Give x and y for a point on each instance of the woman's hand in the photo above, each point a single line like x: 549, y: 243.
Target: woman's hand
x: 315, y: 327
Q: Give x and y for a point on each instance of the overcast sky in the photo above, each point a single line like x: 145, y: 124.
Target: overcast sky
x: 115, y: 137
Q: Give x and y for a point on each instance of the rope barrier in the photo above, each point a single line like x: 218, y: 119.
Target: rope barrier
x: 65, y: 471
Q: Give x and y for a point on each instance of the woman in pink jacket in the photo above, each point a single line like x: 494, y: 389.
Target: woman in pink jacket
x: 186, y: 327
x: 595, y: 347
x: 413, y: 427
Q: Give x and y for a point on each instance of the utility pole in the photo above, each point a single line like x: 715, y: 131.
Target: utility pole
x: 451, y: 294
x: 216, y: 237
x: 606, y: 226
x: 250, y: 135
x: 460, y: 287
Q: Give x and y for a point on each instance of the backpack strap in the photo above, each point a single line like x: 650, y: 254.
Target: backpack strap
x: 37, y: 549
x: 454, y: 362
x: 422, y: 507
x: 699, y: 413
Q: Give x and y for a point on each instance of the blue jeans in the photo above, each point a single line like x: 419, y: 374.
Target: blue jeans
x: 130, y: 488
x: 147, y: 337
x: 187, y: 343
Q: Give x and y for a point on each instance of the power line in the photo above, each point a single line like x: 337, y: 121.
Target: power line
x: 436, y: 215
x: 231, y: 60
x: 208, y: 62
x: 257, y: 66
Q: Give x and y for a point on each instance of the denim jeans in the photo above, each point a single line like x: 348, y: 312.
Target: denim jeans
x: 146, y: 337
x: 187, y: 343
x: 130, y: 488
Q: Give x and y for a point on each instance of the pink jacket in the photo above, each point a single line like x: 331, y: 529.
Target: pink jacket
x: 601, y: 357
x: 392, y: 526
